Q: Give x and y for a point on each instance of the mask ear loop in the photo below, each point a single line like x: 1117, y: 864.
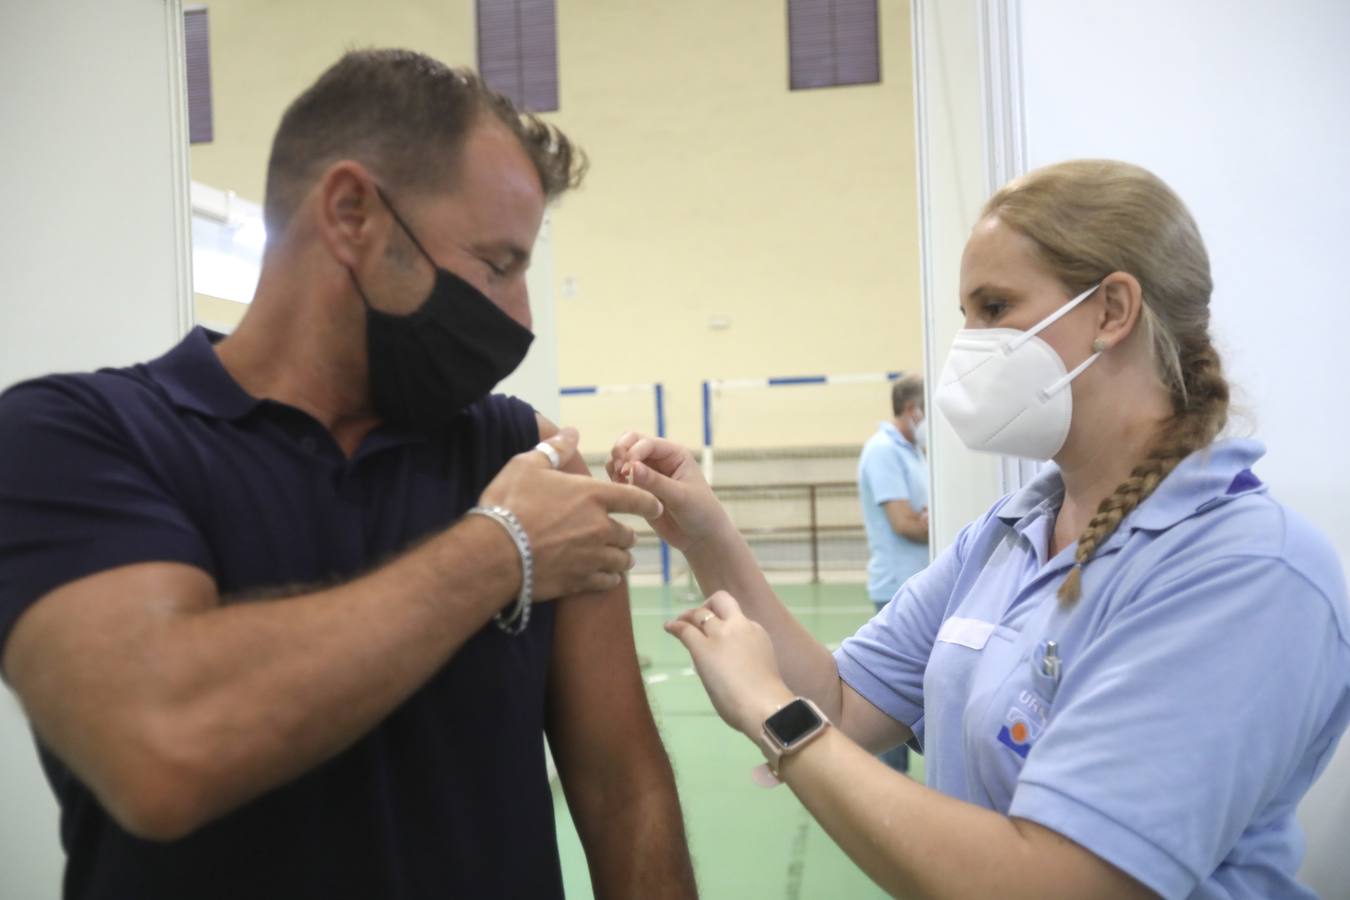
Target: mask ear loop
x: 404, y: 225
x: 1060, y: 385
x: 379, y: 191
x: 1049, y: 320
x: 356, y: 284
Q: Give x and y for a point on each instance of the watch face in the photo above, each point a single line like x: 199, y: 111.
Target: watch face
x: 793, y: 722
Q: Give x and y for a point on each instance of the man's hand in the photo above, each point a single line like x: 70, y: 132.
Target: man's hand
x: 576, y: 545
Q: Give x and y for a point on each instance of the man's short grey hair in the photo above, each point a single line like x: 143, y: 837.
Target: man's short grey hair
x: 905, y: 389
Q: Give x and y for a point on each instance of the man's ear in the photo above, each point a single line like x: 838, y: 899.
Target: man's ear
x: 352, y: 221
x: 1122, y: 305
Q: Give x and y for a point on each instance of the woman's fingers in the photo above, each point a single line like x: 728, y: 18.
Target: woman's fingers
x: 724, y: 605
x: 687, y: 633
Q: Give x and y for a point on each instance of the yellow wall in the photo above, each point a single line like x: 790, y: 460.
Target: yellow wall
x: 216, y: 312
x: 714, y: 192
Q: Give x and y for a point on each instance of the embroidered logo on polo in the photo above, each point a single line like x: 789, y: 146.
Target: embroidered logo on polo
x: 1023, y: 724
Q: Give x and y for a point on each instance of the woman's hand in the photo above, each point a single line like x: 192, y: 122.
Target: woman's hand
x: 733, y: 655
x: 692, y: 513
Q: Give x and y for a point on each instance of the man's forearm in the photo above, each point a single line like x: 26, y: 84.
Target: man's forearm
x: 242, y: 697
x: 635, y: 841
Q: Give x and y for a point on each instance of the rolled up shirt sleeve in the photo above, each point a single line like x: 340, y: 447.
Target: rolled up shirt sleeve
x: 885, y: 660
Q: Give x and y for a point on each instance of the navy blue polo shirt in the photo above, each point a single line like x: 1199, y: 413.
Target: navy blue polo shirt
x: 173, y: 461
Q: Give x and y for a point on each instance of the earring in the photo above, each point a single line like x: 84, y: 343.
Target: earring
x: 1099, y: 345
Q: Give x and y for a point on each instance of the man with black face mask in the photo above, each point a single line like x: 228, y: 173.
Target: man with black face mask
x: 276, y: 604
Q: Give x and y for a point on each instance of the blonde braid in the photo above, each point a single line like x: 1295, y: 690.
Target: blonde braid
x: 1200, y: 411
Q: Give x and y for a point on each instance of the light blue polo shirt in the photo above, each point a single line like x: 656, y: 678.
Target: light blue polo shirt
x: 890, y: 468
x: 1205, y: 676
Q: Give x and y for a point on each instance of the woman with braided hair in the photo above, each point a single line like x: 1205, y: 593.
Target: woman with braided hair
x: 1124, y: 676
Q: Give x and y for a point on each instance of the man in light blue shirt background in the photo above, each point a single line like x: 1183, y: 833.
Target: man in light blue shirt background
x: 893, y: 487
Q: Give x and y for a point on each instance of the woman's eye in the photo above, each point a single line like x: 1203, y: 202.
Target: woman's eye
x: 994, y: 308
x: 496, y: 269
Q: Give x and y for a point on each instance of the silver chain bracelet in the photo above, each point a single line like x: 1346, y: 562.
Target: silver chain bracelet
x: 513, y: 621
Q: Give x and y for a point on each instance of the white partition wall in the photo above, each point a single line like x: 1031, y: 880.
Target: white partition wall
x: 536, y: 381
x: 95, y: 183
x: 94, y: 251
x: 1244, y: 107
x: 949, y: 85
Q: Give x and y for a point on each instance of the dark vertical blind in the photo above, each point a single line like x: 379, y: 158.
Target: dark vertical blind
x: 833, y: 42
x: 518, y: 51
x: 198, y: 50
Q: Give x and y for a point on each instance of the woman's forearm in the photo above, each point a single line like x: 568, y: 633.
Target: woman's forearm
x: 918, y: 843
x: 724, y: 562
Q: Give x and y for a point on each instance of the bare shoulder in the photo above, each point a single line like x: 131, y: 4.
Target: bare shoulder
x: 576, y: 465
x: 546, y: 427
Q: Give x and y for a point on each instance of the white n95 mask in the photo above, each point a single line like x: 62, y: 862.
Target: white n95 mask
x: 1005, y: 391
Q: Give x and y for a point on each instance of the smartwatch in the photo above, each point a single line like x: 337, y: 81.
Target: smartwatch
x: 791, y: 728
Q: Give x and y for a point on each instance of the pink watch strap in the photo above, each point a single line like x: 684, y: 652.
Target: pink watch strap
x: 763, y: 776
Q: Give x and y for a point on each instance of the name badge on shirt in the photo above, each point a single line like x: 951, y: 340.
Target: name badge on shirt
x: 971, y: 633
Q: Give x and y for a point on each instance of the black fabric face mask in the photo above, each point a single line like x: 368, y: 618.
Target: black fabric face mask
x: 427, y: 366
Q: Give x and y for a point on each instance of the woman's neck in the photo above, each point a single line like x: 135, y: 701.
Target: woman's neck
x: 1104, y: 447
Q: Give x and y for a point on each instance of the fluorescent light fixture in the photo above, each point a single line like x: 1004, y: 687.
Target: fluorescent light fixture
x: 228, y: 238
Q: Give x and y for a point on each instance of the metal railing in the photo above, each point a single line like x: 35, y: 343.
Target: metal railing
x: 810, y: 527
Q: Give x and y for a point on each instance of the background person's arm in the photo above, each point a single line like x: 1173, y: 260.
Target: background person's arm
x: 884, y: 478
x: 906, y: 522
x: 175, y: 708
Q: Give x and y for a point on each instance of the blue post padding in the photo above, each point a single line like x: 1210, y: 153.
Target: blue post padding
x: 799, y: 379
x: 707, y: 414
x: 893, y: 376
x: 661, y: 432
x: 575, y: 391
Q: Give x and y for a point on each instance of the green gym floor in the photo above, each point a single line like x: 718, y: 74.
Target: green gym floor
x: 748, y: 843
